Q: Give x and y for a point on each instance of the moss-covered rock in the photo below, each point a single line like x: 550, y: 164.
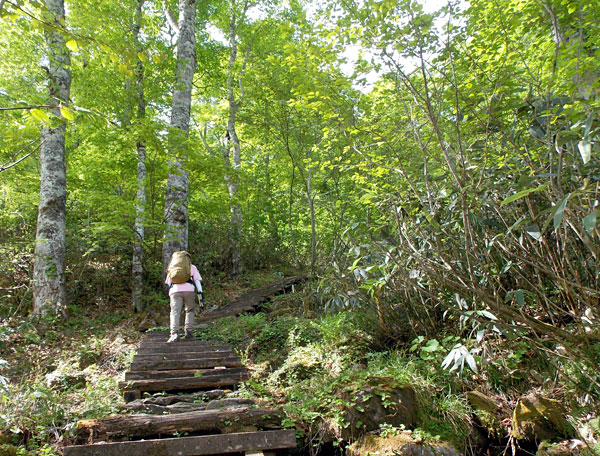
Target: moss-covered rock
x: 402, y: 444
x: 376, y: 404
x: 488, y: 412
x: 537, y: 418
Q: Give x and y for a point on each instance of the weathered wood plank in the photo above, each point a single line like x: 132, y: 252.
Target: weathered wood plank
x: 191, y: 446
x: 147, y: 375
x: 182, y: 356
x: 141, y: 426
x: 207, y: 363
x: 180, y: 341
x: 176, y: 348
x: 181, y: 383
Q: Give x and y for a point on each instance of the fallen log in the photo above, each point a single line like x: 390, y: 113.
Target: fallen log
x: 192, y: 446
x: 207, y: 421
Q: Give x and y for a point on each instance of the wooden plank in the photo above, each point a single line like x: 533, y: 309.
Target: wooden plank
x: 180, y: 383
x: 147, y: 375
x: 192, y: 446
x: 207, y: 421
x: 207, y: 363
x: 178, y: 343
x: 182, y: 356
x: 176, y: 348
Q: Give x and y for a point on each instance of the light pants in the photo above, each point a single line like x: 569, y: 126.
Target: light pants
x: 178, y: 299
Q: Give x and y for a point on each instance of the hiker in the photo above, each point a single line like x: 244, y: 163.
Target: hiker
x: 182, y: 276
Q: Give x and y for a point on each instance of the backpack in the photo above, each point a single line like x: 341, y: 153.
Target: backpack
x: 179, y: 270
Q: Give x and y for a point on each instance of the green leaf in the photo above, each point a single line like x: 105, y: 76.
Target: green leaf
x: 516, y: 294
x: 585, y: 150
x: 560, y: 210
x: 40, y: 115
x: 72, y: 45
x: 523, y: 193
x: 589, y: 221
x: 67, y: 113
x: 431, y: 346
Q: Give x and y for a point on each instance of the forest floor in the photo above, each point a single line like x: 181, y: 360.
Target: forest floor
x: 330, y: 374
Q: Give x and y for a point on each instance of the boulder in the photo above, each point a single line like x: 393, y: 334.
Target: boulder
x: 488, y: 413
x: 402, y: 444
x: 538, y: 418
x: 370, y: 408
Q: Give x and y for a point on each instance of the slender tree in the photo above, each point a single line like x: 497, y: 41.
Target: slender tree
x: 232, y: 144
x: 138, y: 241
x: 176, y: 198
x: 49, y: 293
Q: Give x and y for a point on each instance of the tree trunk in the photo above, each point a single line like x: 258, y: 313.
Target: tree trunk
x: 140, y: 208
x: 313, y: 223
x: 49, y: 293
x: 211, y: 421
x: 176, y: 197
x: 233, y: 143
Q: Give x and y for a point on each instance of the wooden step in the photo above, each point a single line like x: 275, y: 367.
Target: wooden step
x: 205, y: 363
x: 181, y: 383
x: 192, y: 446
x: 176, y: 348
x: 178, y: 343
x: 207, y: 421
x: 241, y: 373
x: 182, y: 356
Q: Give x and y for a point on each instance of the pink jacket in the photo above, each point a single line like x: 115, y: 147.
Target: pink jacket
x: 186, y: 286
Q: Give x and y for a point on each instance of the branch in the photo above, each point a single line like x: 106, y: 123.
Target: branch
x: 171, y: 20
x: 5, y: 167
x: 13, y: 108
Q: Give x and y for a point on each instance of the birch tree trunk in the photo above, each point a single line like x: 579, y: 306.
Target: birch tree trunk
x: 137, y: 269
x: 233, y: 143
x: 176, y: 198
x: 49, y: 293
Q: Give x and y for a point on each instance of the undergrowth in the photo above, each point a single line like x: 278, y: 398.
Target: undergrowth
x: 56, y: 372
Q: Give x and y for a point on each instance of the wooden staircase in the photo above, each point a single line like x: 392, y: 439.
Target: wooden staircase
x: 180, y: 366
x: 193, y: 375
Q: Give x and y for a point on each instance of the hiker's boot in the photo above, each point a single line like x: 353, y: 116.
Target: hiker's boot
x: 173, y: 338
x: 189, y: 334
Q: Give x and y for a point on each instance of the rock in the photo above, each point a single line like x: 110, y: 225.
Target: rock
x: 228, y: 403
x: 488, y: 413
x: 61, y: 380
x: 480, y: 401
x: 182, y: 407
x: 537, y: 418
x: 372, y: 407
x: 564, y: 448
x: 402, y: 444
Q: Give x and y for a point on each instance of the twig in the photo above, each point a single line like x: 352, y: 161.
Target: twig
x: 13, y: 108
x: 5, y: 167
